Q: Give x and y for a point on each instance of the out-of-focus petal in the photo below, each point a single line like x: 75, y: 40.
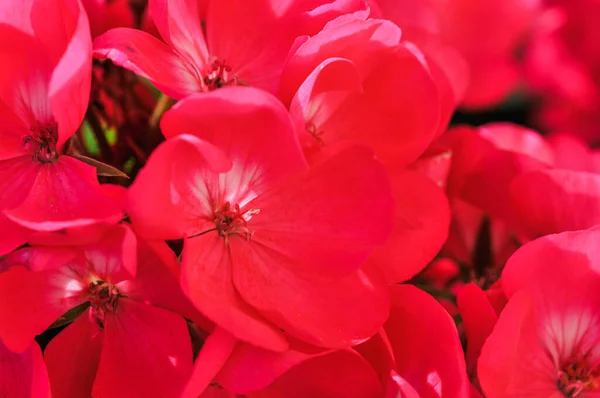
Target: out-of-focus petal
x: 148, y: 57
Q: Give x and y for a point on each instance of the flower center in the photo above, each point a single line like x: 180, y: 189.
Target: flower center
x: 577, y: 376
x: 231, y: 220
x: 217, y: 76
x: 103, y: 297
x: 42, y: 142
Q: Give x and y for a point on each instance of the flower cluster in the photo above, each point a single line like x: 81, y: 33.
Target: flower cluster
x: 276, y: 198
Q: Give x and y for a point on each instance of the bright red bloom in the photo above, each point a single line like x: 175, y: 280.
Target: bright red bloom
x: 44, y: 91
x: 547, y: 340
x: 563, y: 68
x: 245, y: 42
x: 486, y: 34
x: 485, y: 161
x: 384, y: 97
x: 270, y: 245
x: 23, y: 374
x: 129, y: 338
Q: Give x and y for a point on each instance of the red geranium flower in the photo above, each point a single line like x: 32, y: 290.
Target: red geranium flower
x: 129, y: 339
x: 547, y: 340
x: 44, y: 91
x: 271, y: 249
x: 245, y: 42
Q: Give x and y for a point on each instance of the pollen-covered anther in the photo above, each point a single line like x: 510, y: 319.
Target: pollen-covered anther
x: 103, y: 296
x: 578, y: 376
x: 42, y: 142
x: 218, y: 75
x: 230, y: 220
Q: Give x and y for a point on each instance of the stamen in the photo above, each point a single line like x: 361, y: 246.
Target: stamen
x: 231, y: 220
x: 42, y: 142
x: 103, y: 297
x: 577, y: 376
x: 218, y: 76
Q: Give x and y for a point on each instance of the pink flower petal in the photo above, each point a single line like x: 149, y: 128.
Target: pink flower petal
x: 148, y: 57
x: 24, y: 82
x: 216, y: 350
x: 479, y: 319
x: 23, y: 375
x: 146, y: 352
x: 552, y: 201
x: 64, y: 194
x: 206, y: 278
x: 250, y: 368
x: 338, y: 374
x: 114, y: 257
x: 421, y: 224
x: 179, y: 25
x: 428, y: 353
x: 11, y: 235
x: 325, y: 221
x: 251, y: 127
x: 12, y: 134
x: 32, y: 301
x: 17, y: 176
x: 73, y: 356
x: 69, y: 89
x: 154, y: 269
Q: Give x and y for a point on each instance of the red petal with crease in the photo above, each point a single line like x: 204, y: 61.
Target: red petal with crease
x: 73, y: 356
x: 32, y: 301
x: 148, y: 57
x: 23, y: 375
x: 206, y: 278
x: 421, y: 227
x: 17, y: 176
x: 552, y: 201
x: 339, y: 374
x: 329, y: 313
x: 251, y: 368
x: 327, y: 220
x: 64, y: 194
x: 154, y: 270
x: 12, y: 133
x: 160, y: 335
x: 428, y: 353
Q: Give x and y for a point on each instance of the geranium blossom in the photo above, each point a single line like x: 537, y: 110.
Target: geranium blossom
x: 245, y: 42
x: 112, y: 285
x: 44, y: 85
x: 547, y: 339
x: 265, y: 236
